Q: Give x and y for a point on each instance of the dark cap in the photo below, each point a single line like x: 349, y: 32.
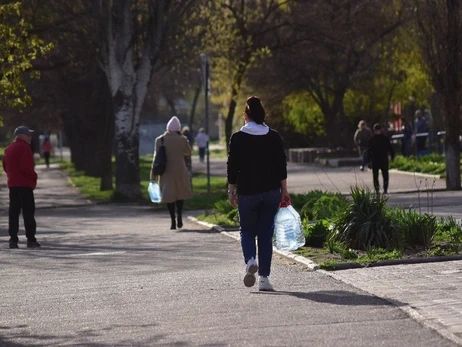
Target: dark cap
x: 22, y: 130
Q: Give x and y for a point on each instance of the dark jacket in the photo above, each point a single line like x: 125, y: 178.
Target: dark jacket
x: 378, y: 150
x: 18, y: 163
x: 256, y: 163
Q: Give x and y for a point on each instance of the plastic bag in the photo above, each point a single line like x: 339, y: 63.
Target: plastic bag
x: 288, y: 228
x: 154, y: 192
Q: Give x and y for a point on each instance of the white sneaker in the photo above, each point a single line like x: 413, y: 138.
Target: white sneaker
x: 265, y: 285
x: 250, y: 269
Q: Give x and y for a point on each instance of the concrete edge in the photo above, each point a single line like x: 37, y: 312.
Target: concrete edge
x: 311, y: 265
x: 409, y: 310
x: 418, y: 174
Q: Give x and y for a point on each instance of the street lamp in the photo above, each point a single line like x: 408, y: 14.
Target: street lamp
x: 205, y: 81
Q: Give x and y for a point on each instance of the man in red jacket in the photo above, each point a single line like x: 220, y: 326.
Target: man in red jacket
x: 18, y: 163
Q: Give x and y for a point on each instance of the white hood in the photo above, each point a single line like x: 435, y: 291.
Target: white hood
x: 253, y: 128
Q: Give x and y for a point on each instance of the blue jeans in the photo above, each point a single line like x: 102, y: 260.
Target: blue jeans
x: 256, y: 217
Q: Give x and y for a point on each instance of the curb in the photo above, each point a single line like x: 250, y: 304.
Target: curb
x: 297, y: 258
x: 418, y: 174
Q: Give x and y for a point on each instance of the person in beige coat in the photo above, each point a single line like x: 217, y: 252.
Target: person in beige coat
x: 174, y: 183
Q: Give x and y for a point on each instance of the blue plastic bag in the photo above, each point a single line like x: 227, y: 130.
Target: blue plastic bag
x: 288, y: 228
x: 154, y: 192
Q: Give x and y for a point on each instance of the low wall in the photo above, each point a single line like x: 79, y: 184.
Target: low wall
x: 315, y: 154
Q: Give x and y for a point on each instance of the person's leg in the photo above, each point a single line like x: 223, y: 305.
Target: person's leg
x: 13, y: 214
x: 171, y: 210
x: 201, y: 154
x: 248, y: 220
x: 179, y: 210
x: 386, y: 178
x: 47, y: 159
x: 28, y: 213
x: 365, y: 158
x: 265, y: 230
x: 375, y: 178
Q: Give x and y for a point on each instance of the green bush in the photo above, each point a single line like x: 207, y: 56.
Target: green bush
x: 450, y: 230
x: 328, y: 206
x: 300, y: 200
x: 417, y: 229
x: 364, y: 223
x: 316, y: 233
x: 223, y: 206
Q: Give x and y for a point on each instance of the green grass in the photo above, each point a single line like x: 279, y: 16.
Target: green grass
x: 89, y: 186
x: 430, y: 164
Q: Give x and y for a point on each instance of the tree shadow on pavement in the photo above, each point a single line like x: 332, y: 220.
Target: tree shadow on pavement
x: 337, y: 297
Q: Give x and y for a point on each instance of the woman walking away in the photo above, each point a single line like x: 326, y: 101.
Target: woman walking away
x: 174, y: 182
x: 257, y: 183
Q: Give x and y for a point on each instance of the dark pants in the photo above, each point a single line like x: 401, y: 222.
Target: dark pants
x: 256, y: 217
x: 363, y: 152
x: 46, y: 155
x: 22, y: 198
x: 202, y: 153
x: 375, y: 175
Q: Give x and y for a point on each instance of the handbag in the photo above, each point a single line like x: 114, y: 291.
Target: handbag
x: 160, y: 161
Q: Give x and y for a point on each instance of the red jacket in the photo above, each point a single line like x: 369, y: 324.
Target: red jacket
x: 18, y: 163
x: 46, y: 147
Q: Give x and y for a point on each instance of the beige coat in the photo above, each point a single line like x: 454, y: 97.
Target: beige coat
x: 174, y: 183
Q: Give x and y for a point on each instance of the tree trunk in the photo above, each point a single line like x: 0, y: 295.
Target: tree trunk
x: 452, y: 142
x: 230, y: 118
x: 197, y: 93
x: 127, y: 149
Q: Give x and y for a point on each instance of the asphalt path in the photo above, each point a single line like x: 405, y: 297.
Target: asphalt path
x: 115, y: 275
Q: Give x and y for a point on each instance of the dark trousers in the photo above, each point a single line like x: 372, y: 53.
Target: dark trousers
x: 202, y: 153
x: 46, y: 155
x: 256, y: 217
x: 375, y: 175
x: 22, y: 199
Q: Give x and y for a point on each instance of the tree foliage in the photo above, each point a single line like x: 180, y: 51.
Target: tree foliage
x: 18, y: 49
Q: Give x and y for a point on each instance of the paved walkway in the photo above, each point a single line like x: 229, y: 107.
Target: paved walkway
x: 100, y: 281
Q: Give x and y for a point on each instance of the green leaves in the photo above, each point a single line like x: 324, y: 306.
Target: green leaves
x: 19, y: 48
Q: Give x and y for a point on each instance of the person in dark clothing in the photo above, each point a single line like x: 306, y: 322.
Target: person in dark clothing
x: 257, y: 183
x: 18, y: 163
x: 378, y: 150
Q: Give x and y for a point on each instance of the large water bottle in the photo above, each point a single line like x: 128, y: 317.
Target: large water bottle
x: 154, y: 192
x: 288, y: 228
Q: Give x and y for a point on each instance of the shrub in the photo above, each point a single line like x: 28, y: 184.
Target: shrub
x: 316, y: 233
x: 328, y: 206
x: 451, y: 231
x: 299, y: 201
x: 223, y: 206
x: 417, y: 229
x: 364, y: 223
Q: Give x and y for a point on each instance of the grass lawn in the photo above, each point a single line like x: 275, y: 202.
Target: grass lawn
x: 89, y: 186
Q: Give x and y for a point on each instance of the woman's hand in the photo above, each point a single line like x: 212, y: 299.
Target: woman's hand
x: 285, y: 197
x: 154, y: 177
x: 232, y: 197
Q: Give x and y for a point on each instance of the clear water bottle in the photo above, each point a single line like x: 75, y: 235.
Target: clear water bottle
x: 154, y: 192
x: 288, y: 228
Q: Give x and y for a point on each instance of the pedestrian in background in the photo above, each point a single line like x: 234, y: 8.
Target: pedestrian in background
x: 406, y: 142
x: 46, y: 150
x: 361, y: 138
x: 187, y: 133
x: 202, y: 140
x: 257, y: 183
x: 379, y: 149
x: 18, y: 163
x: 174, y: 183
x: 420, y: 128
